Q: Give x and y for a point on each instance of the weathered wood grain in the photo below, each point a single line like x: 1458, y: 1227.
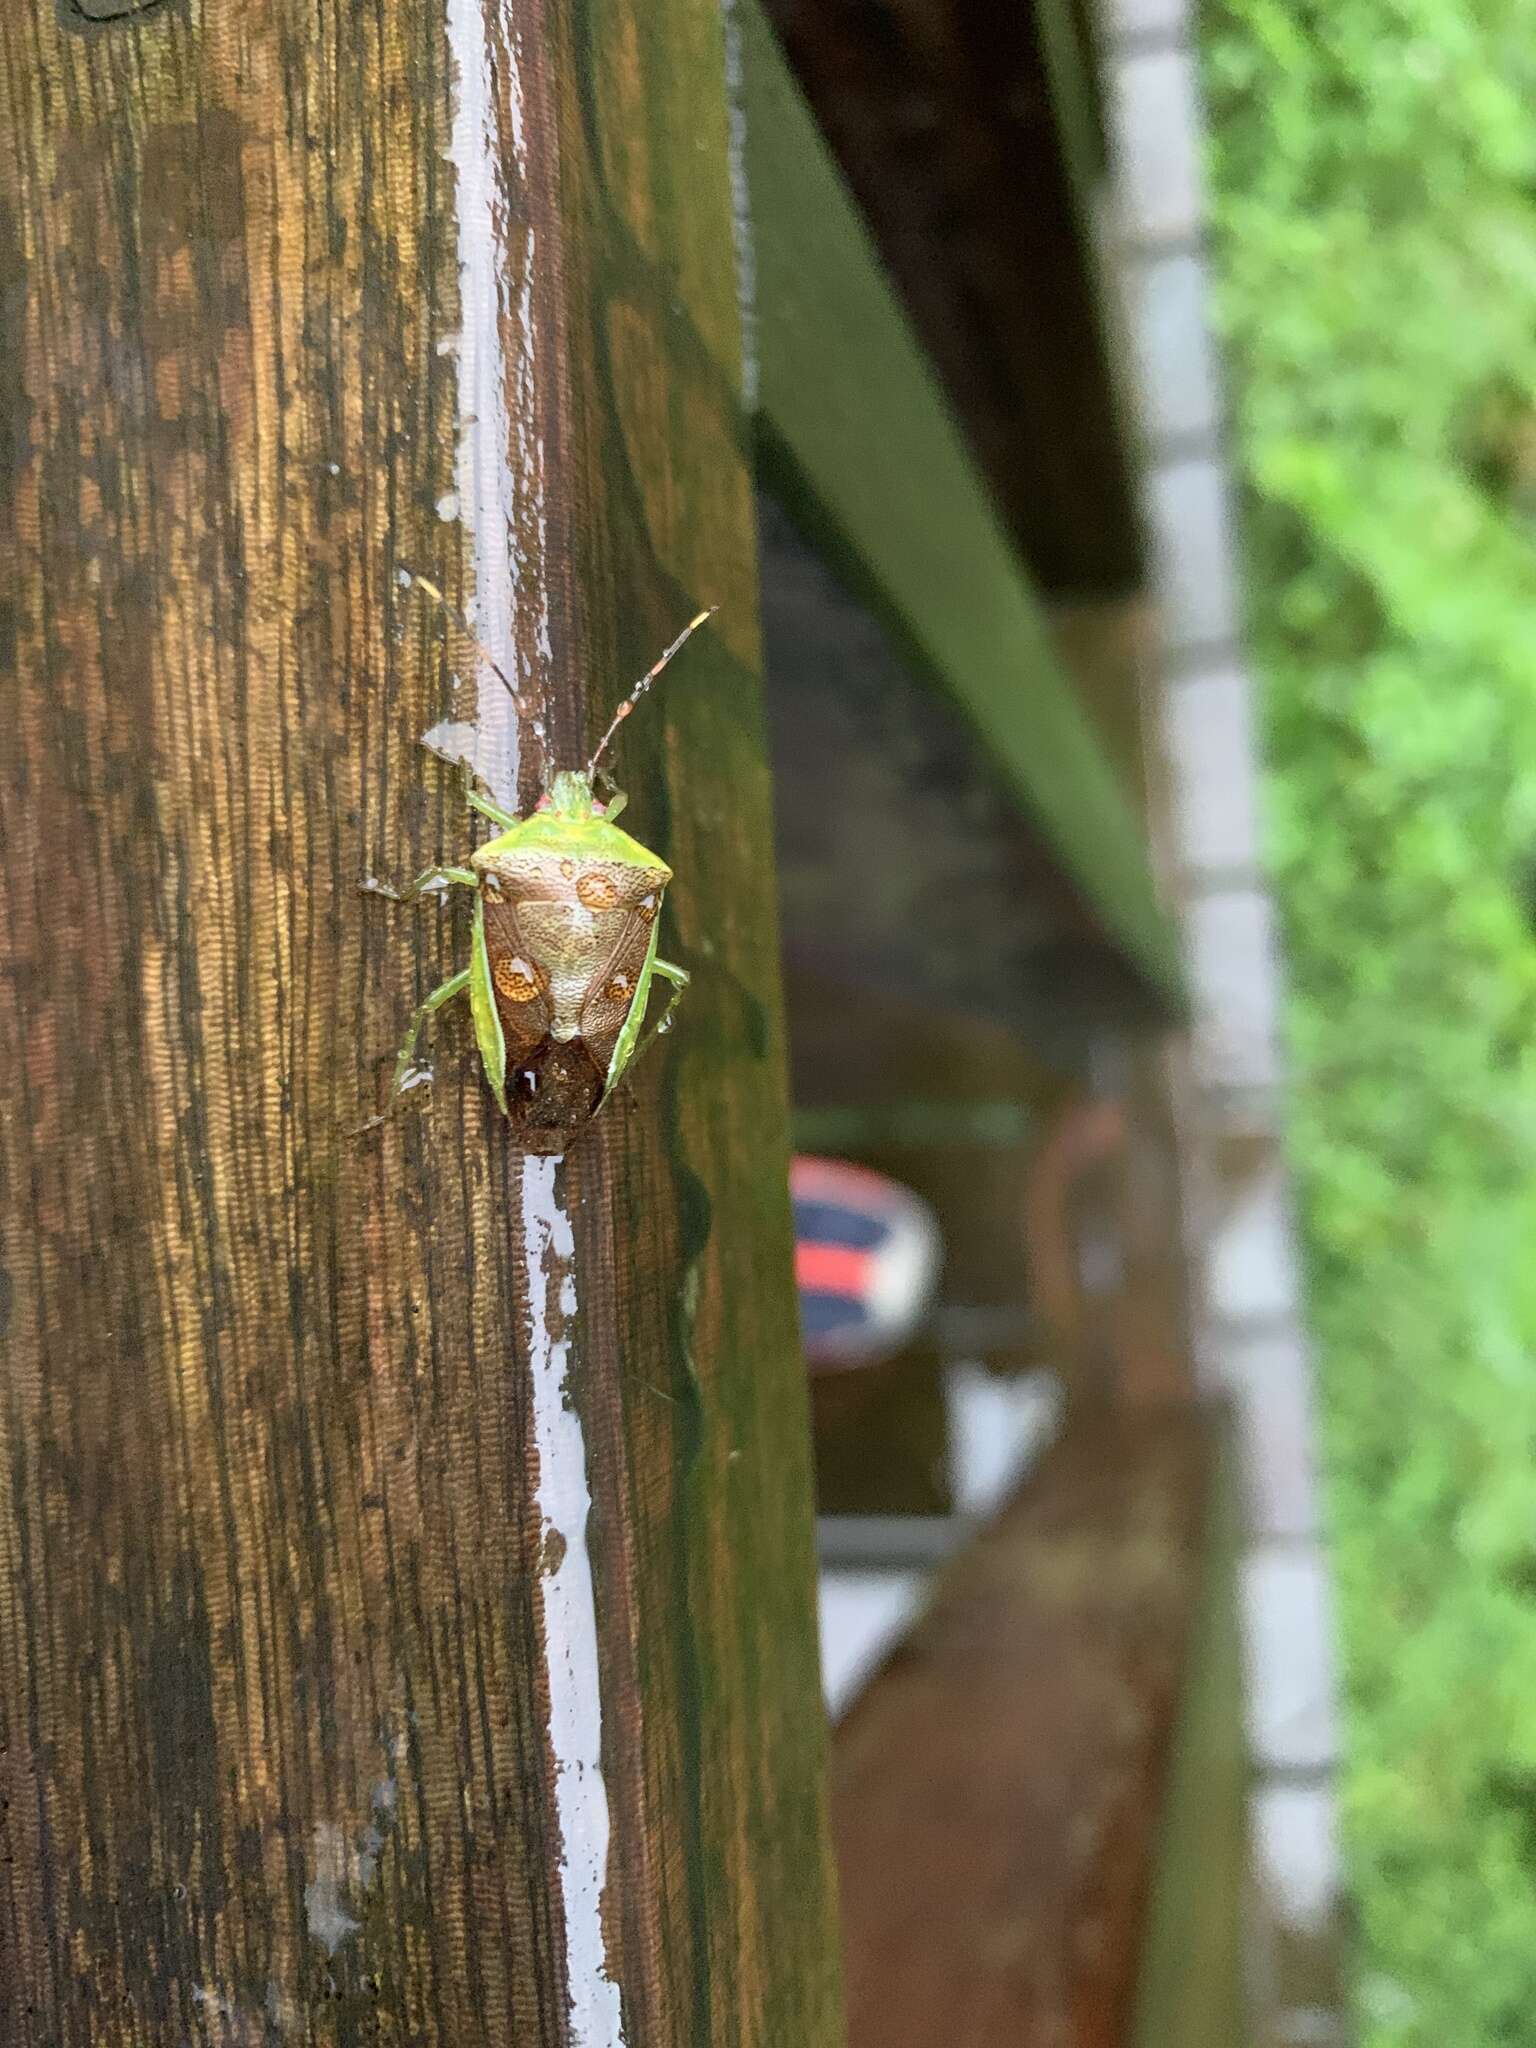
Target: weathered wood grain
x: 328, y: 1712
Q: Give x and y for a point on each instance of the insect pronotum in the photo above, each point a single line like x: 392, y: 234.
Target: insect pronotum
x: 563, y: 950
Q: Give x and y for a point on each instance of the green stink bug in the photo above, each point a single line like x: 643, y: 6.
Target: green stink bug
x: 563, y: 952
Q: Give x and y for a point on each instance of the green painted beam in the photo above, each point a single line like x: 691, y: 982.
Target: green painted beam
x: 860, y: 441
x: 1074, y: 100
x: 1189, y: 1992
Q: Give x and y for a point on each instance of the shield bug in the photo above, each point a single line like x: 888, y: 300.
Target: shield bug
x: 563, y: 947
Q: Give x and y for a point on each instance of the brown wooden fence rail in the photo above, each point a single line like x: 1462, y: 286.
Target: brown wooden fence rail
x: 405, y: 1548
x: 1039, y: 1801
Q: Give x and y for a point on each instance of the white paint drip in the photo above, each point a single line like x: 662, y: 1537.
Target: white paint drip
x: 343, y: 1869
x: 570, y: 1618
x: 500, y: 492
x: 486, y: 491
x: 455, y: 740
x: 334, y: 1865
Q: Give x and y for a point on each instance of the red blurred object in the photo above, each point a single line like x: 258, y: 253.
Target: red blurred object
x: 867, y: 1259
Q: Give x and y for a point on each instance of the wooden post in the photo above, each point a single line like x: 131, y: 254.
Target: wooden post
x: 406, y: 1624
x: 1039, y: 1802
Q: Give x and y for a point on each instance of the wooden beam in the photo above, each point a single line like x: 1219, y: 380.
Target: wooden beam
x: 1002, y: 1789
x: 406, y: 1620
x: 1063, y: 34
x: 864, y: 451
x: 972, y: 140
x: 910, y: 879
x: 1190, y: 1987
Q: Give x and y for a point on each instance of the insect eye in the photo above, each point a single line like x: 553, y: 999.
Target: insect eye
x: 544, y: 804
x: 597, y: 810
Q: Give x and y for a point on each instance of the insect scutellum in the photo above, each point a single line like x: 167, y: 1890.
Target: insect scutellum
x: 564, y: 938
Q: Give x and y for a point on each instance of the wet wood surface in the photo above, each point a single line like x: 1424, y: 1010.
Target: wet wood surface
x: 1005, y: 1793
x: 405, y: 1550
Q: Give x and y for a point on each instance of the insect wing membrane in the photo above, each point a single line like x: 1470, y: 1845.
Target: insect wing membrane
x: 613, y: 991
x: 518, y: 978
x: 628, y: 1033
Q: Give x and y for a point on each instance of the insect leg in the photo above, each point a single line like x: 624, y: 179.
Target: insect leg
x: 679, y: 979
x: 489, y: 1036
x: 487, y: 809
x: 402, y: 1081
x: 634, y: 1017
x: 430, y: 882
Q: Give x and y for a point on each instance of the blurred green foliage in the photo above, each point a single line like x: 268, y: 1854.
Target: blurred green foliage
x: 1375, y: 196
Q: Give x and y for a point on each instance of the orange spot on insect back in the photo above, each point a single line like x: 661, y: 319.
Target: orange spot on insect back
x: 518, y: 980
x: 598, y: 892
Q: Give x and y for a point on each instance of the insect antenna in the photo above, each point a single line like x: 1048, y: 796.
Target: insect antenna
x: 415, y: 582
x: 645, y: 683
